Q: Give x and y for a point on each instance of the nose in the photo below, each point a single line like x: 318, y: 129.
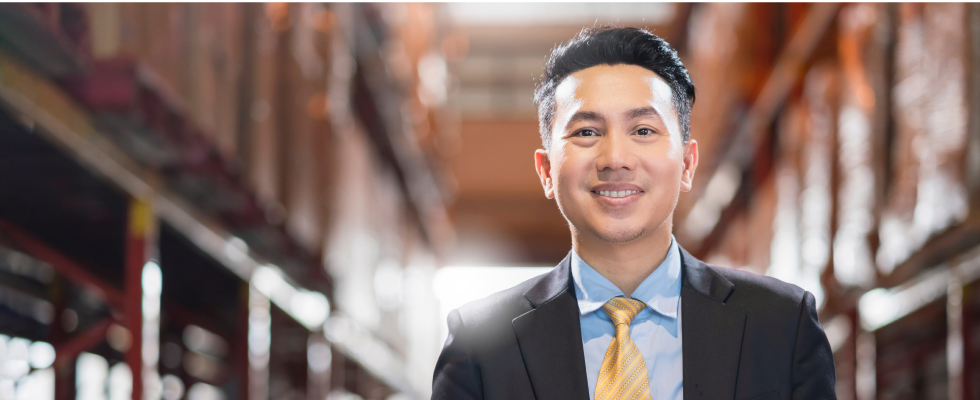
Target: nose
x: 615, y: 154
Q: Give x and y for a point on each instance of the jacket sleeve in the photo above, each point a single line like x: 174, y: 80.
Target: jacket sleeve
x: 457, y: 375
x: 813, y: 360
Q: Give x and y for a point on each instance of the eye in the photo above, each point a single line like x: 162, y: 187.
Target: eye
x: 645, y: 132
x: 586, y: 133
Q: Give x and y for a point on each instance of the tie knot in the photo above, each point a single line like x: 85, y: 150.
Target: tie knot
x: 623, y: 310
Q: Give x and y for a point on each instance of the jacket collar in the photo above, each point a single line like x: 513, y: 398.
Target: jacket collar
x: 712, y: 332
x: 550, y: 338
x: 700, y: 278
x: 553, y: 284
x: 696, y: 275
x: 550, y: 335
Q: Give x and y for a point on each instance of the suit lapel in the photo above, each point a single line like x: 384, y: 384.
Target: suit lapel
x: 712, y: 332
x: 550, y: 338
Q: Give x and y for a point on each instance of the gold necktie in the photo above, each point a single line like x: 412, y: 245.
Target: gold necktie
x: 623, y: 375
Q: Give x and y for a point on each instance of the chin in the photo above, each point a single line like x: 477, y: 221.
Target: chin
x: 621, y: 235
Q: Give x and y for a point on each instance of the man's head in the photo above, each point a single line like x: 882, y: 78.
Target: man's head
x: 612, y: 46
x: 614, y: 109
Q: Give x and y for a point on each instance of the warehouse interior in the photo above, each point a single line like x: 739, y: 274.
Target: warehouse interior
x: 284, y: 200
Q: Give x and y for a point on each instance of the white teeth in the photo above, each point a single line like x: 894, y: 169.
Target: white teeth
x: 620, y: 193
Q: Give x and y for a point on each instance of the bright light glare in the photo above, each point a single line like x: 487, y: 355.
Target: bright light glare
x: 152, y: 279
x: 17, y: 349
x: 236, y: 250
x: 91, y: 371
x: 259, y: 338
x: 270, y: 282
x: 203, y: 391
x: 41, y: 355
x: 455, y: 286
x: 150, y: 344
x: 14, y: 369
x: 358, y: 342
x: 388, y: 284
x: 877, y: 308
x: 7, y: 390
x: 880, y: 307
x: 173, y: 387
x: 203, y: 341
x: 120, y: 382
x: 340, y: 394
x: 310, y: 308
x: 15, y: 365
x: 319, y: 357
x: 259, y: 330
x: 39, y: 385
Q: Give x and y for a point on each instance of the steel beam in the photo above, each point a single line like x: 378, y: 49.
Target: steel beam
x: 23, y: 92
x: 62, y: 264
x: 749, y: 137
x: 139, y: 238
x: 91, y: 337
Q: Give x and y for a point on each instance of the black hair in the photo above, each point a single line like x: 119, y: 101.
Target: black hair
x: 610, y: 45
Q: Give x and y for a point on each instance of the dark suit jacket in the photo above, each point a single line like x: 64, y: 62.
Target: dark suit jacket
x: 744, y: 337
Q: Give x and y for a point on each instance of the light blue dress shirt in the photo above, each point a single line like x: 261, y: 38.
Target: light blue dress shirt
x: 656, y: 330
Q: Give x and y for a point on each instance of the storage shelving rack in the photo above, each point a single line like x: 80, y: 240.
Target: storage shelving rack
x: 117, y: 239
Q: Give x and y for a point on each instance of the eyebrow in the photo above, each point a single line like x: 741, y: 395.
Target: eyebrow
x: 586, y: 116
x: 630, y: 115
x: 642, y: 112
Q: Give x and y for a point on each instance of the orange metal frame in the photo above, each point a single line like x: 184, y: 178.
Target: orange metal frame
x: 139, y: 246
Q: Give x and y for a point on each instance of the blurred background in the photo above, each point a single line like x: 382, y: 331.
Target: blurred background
x: 254, y: 201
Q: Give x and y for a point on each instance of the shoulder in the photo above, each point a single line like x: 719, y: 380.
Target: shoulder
x: 743, y: 290
x: 740, y: 289
x: 498, y: 308
x: 750, y: 287
x: 773, y: 307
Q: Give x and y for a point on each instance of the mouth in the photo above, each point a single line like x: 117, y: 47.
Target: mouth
x: 616, y: 193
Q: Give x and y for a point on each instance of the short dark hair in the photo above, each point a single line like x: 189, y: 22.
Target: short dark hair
x: 610, y: 45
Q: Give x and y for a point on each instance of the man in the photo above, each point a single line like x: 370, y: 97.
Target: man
x: 628, y: 314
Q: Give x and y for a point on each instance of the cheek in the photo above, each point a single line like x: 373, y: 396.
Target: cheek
x: 666, y: 174
x: 566, y: 182
x: 566, y: 171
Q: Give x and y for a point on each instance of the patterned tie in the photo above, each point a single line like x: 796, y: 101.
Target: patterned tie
x: 623, y: 375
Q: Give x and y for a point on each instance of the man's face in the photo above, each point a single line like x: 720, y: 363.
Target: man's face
x: 617, y: 160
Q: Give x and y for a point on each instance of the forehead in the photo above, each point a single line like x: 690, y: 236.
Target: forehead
x: 612, y: 87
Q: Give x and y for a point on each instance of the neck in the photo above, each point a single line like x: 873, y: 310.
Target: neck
x: 625, y: 264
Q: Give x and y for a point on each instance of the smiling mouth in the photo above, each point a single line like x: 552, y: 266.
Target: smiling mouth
x: 616, y: 193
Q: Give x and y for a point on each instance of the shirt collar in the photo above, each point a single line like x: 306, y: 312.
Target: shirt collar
x: 660, y: 291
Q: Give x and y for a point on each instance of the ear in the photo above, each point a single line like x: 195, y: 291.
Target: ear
x: 542, y: 164
x: 690, y: 165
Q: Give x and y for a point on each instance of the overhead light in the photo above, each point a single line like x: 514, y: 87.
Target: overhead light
x: 152, y: 279
x: 880, y: 307
x: 41, y: 355
x: 201, y: 340
x: 319, y: 356
x: 203, y: 391
x: 270, y: 282
x: 236, y: 250
x: 308, y: 307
